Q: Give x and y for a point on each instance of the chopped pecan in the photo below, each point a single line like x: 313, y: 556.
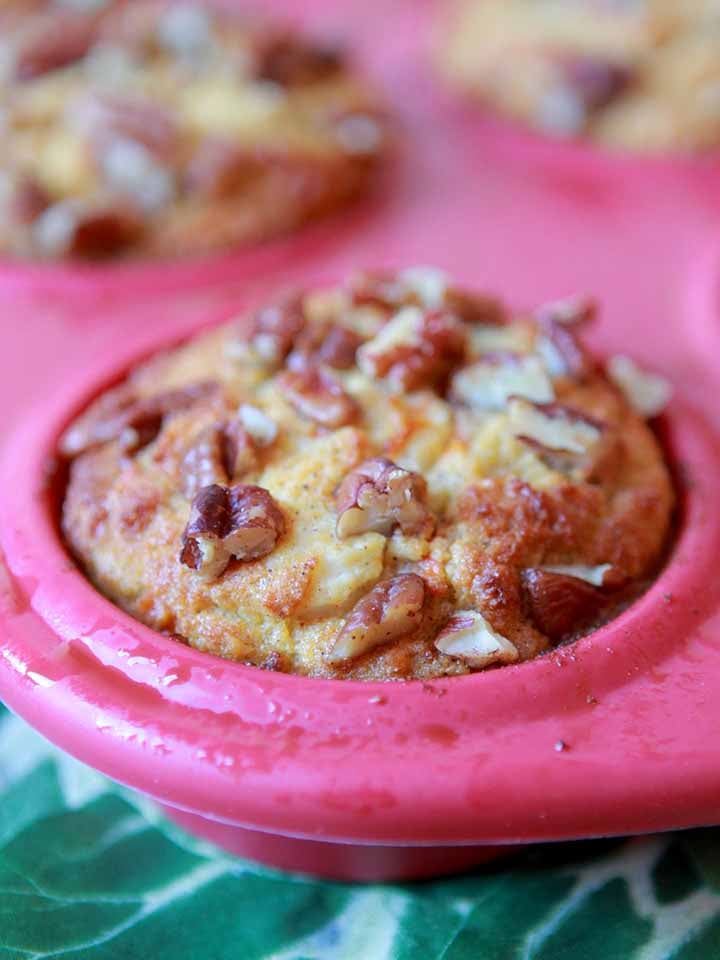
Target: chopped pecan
x: 316, y: 395
x: 469, y: 637
x: 219, y: 169
x: 416, y: 348
x: 334, y: 346
x: 54, y: 42
x: 416, y: 286
x: 488, y: 383
x: 120, y: 414
x: 559, y: 604
x: 392, y: 609
x: 379, y: 495
x: 105, y: 117
x: 289, y: 62
x: 29, y: 199
x: 258, y: 424
x: 596, y: 81
x: 221, y: 453
x: 557, y: 341
x: 554, y: 426
x: 476, y: 308
x: 79, y: 230
x: 242, y: 521
x: 275, y: 327
x: 646, y: 393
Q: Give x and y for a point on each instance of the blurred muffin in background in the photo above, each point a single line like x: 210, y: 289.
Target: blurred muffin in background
x: 635, y: 74
x: 157, y: 129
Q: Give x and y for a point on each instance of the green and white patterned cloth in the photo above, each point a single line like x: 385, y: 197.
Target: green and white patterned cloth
x: 90, y: 872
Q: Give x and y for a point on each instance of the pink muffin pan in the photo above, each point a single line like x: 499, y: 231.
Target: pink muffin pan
x: 614, y: 734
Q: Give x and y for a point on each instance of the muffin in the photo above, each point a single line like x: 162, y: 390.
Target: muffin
x: 640, y: 74
x: 159, y: 129
x: 390, y: 479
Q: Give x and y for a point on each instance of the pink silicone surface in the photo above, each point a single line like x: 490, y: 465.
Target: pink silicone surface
x: 361, y: 776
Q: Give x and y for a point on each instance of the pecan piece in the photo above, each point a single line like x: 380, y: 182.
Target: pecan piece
x: 104, y: 117
x: 219, y: 169
x: 242, y: 521
x: 221, y: 453
x: 415, y: 348
x: 289, y: 62
x: 596, y: 81
x: 392, y: 609
x: 275, y: 327
x: 134, y: 421
x: 489, y: 383
x: 557, y: 341
x: 316, y: 395
x: 559, y: 604
x: 646, y: 393
x: 76, y: 229
x: 334, y: 346
x: 379, y: 495
x: 468, y: 636
x: 56, y: 41
x: 554, y: 426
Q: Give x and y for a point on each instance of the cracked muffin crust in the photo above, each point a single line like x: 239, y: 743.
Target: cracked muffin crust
x: 152, y: 128
x: 391, y: 479
x: 637, y: 74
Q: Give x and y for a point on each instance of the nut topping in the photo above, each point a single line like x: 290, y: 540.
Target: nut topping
x: 58, y: 40
x: 414, y: 349
x: 392, y: 609
x: 316, y: 395
x: 379, y: 495
x: 243, y: 522
x: 288, y: 62
x: 78, y: 229
x: 646, y: 393
x: 557, y: 342
x: 488, y: 384
x: 595, y: 81
x: 334, y: 346
x: 262, y: 428
x: 553, y: 426
x: 220, y: 454
x: 135, y: 421
x: 468, y: 636
x: 593, y: 575
x: 275, y: 328
x: 557, y: 603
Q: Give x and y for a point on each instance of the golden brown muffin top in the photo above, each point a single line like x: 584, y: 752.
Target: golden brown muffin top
x: 143, y: 126
x: 389, y: 479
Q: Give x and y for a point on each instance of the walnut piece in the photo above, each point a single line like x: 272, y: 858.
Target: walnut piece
x: 120, y: 414
x: 468, y: 636
x: 316, y: 395
x: 241, y: 521
x: 221, y: 453
x: 416, y: 348
x: 559, y: 604
x: 595, y: 81
x: 379, y: 495
x: 488, y: 384
x: 392, y: 609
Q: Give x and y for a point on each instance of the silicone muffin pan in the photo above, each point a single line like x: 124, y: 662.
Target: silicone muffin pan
x: 613, y: 734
